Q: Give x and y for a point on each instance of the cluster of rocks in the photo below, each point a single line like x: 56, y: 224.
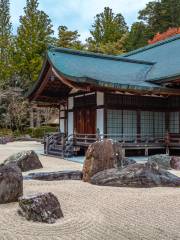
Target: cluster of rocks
x: 104, y: 165
x: 43, y: 207
x: 11, y: 179
x: 103, y: 155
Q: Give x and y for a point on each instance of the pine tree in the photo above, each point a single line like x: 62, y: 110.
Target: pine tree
x: 68, y: 39
x: 107, y: 30
x: 137, y: 37
x: 5, y: 42
x: 32, y: 41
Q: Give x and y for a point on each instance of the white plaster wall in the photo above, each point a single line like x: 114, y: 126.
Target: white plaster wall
x: 100, y: 98
x: 70, y: 123
x: 62, y: 114
x: 70, y: 103
x: 100, y: 120
x: 62, y: 125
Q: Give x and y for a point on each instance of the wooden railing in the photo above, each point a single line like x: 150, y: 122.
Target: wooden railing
x: 123, y: 138
x: 173, y: 139
x: 60, y: 142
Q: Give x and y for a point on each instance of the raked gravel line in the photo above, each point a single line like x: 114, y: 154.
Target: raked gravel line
x: 99, y: 213
x: 92, y: 212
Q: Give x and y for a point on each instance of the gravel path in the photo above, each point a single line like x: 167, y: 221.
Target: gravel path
x: 92, y: 212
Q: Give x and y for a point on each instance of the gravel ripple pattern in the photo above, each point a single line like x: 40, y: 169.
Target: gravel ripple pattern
x: 96, y: 213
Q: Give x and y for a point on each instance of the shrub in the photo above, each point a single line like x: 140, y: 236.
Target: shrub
x: 5, y: 132
x: 40, y: 131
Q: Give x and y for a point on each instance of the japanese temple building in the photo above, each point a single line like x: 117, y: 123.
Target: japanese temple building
x: 134, y: 97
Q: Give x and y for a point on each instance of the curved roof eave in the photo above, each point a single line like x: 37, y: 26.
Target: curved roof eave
x: 95, y: 82
x: 164, y: 79
x: 101, y: 83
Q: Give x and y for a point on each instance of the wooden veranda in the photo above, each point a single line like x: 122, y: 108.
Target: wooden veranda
x: 60, y: 145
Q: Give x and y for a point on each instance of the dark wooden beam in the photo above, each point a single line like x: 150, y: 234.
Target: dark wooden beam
x: 68, y: 82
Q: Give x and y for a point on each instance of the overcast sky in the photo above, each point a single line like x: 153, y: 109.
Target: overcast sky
x: 78, y: 14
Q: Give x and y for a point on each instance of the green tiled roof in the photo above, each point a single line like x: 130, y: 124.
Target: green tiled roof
x: 165, y: 54
x: 99, y: 69
x: 144, y: 68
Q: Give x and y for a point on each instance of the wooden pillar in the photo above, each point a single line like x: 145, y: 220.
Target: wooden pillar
x: 167, y: 121
x: 138, y: 125
x: 146, y: 152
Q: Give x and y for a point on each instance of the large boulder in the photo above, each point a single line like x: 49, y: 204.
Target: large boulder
x: 11, y: 183
x: 54, y: 176
x: 101, y: 155
x: 162, y: 160
x: 43, y: 207
x: 175, y: 163
x: 136, y: 175
x: 26, y: 160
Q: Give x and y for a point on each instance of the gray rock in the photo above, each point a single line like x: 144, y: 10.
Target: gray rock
x: 136, y: 175
x: 53, y: 176
x: 6, y: 139
x: 26, y: 160
x: 11, y: 183
x: 128, y: 161
x: 162, y: 160
x: 43, y: 207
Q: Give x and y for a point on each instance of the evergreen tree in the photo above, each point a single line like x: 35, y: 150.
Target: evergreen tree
x: 5, y: 42
x: 111, y: 48
x: 32, y: 41
x: 107, y: 30
x: 170, y: 14
x: 68, y: 39
x: 137, y: 37
x: 161, y: 15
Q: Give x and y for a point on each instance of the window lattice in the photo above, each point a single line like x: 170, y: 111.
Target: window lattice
x: 174, y: 122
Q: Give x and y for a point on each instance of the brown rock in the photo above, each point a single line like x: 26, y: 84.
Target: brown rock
x: 27, y: 160
x: 136, y: 175
x: 11, y: 183
x: 100, y: 156
x: 43, y: 207
x: 175, y: 163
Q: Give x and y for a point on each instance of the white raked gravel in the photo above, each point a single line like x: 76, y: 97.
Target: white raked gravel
x: 92, y: 212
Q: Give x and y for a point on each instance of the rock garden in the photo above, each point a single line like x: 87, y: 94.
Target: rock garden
x: 103, y: 165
